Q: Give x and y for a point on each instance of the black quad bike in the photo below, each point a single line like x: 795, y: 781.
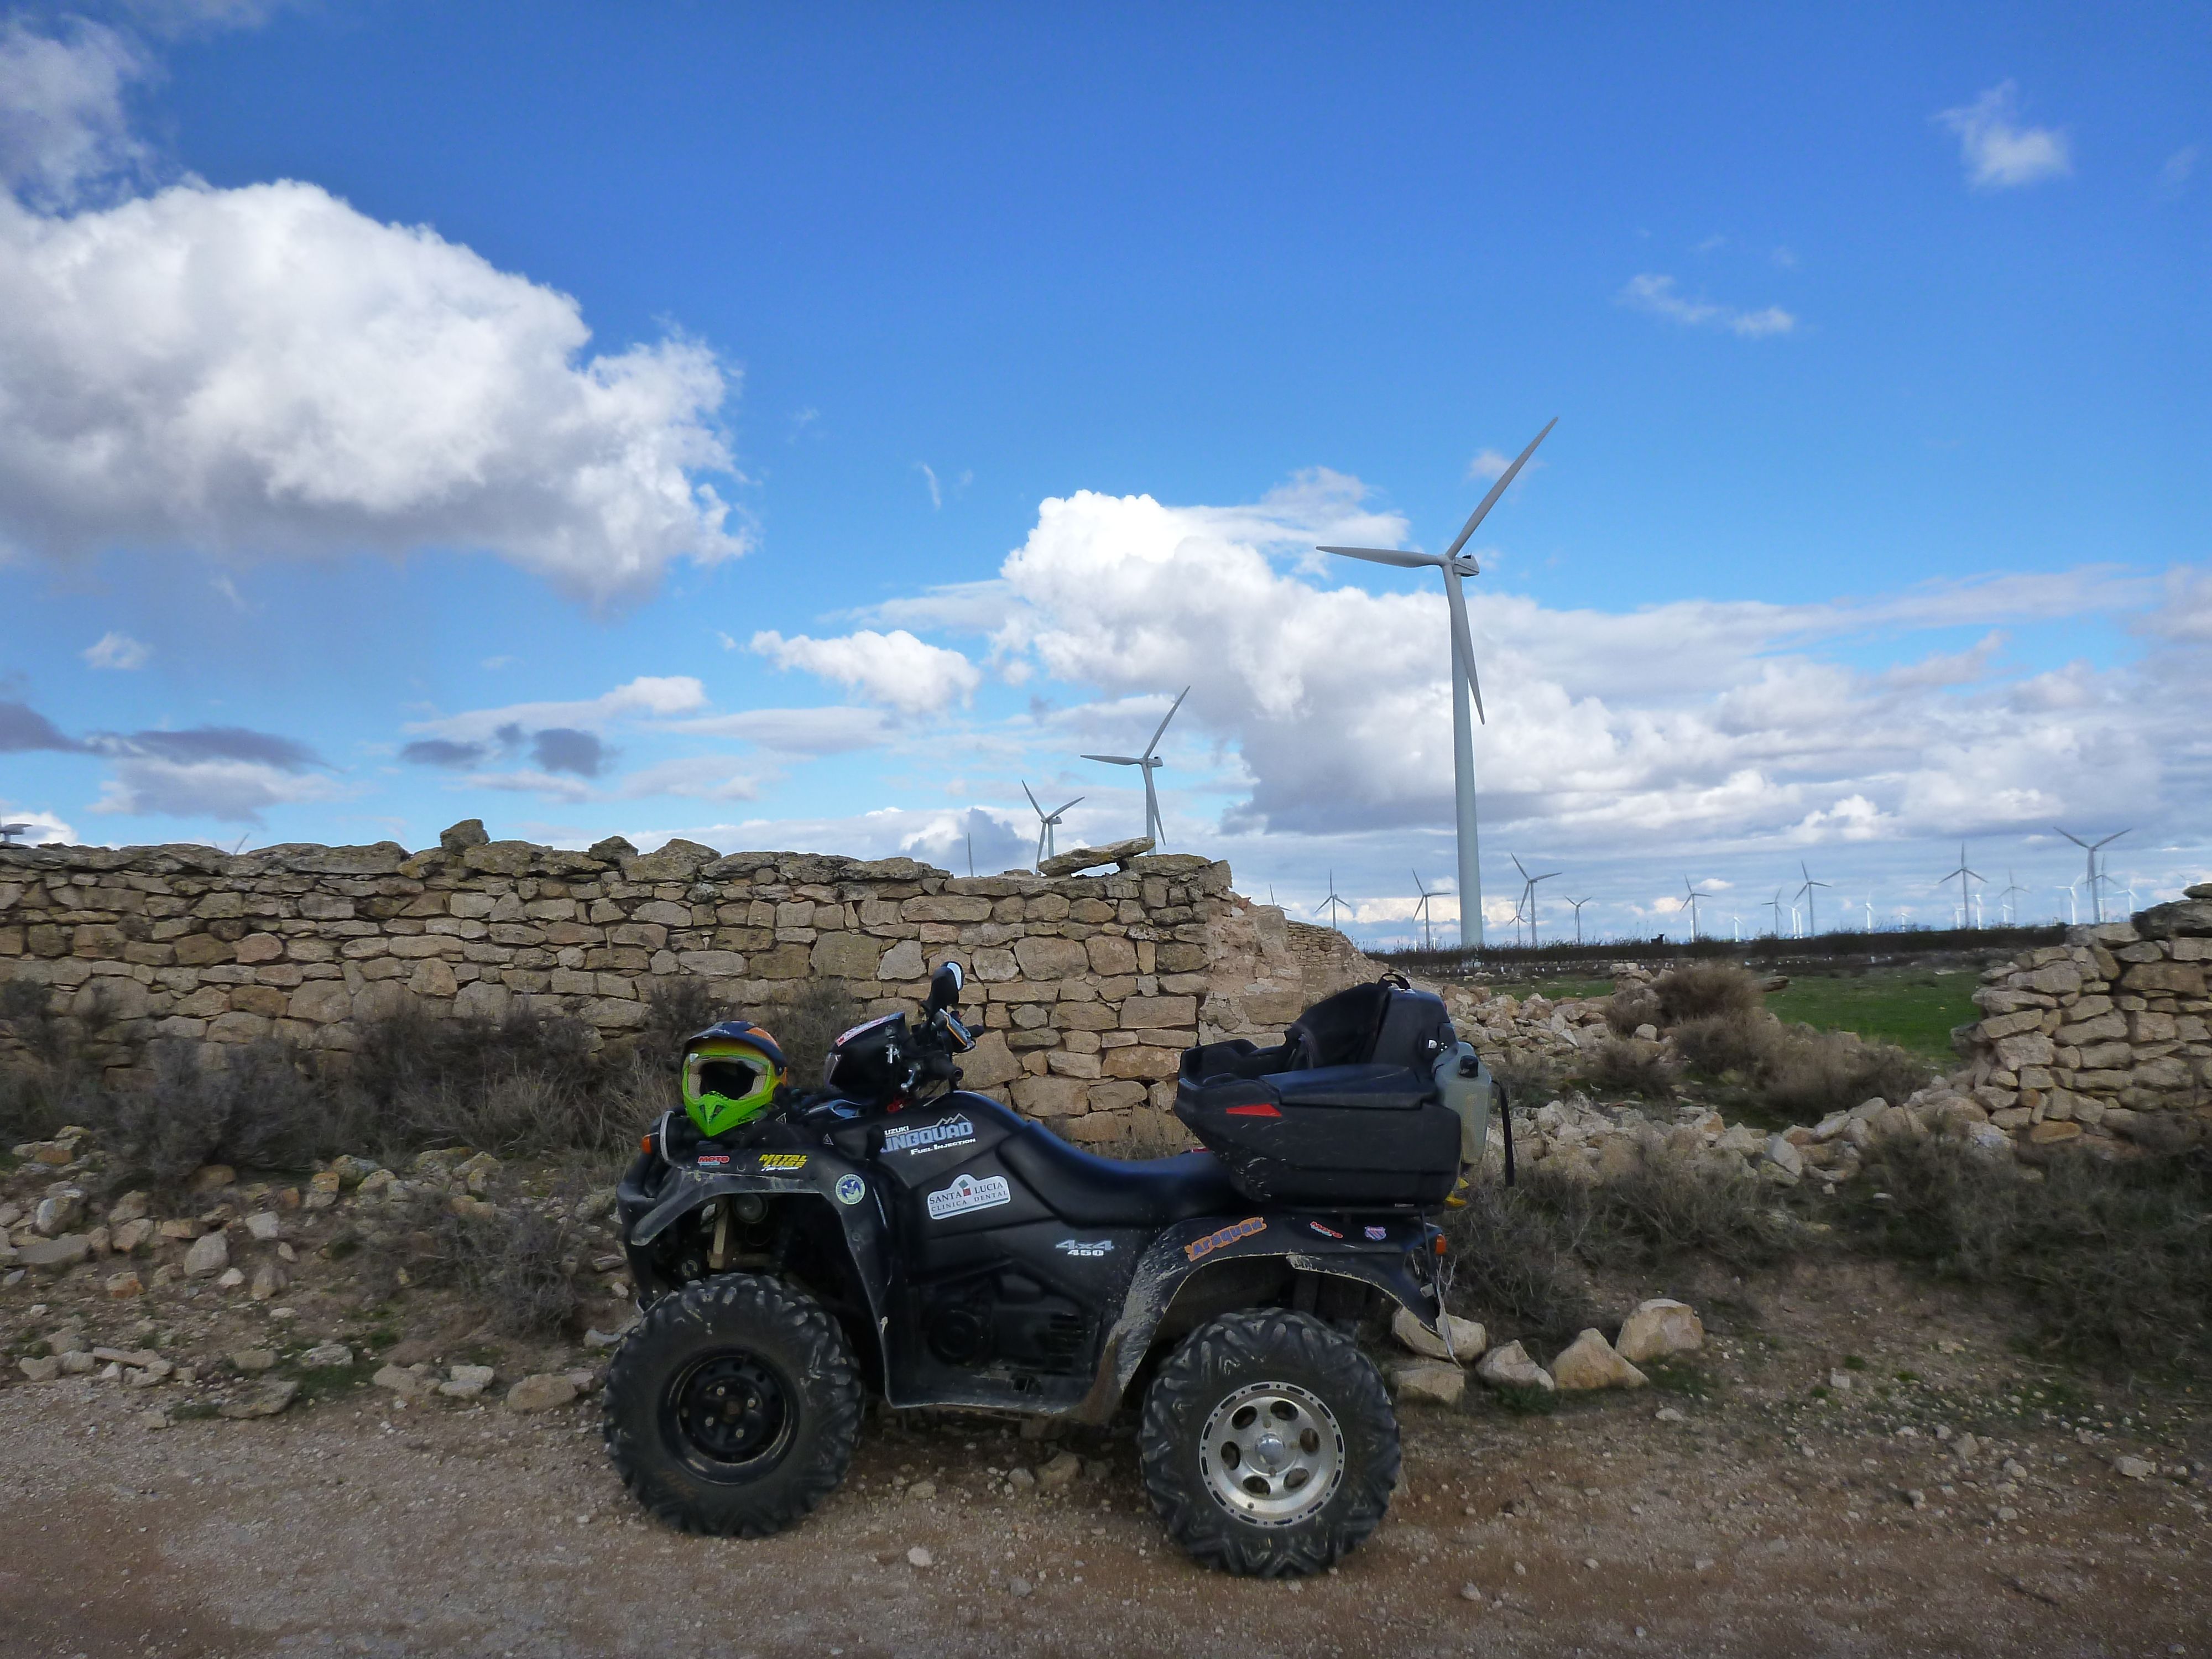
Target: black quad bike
x: 895, y: 1236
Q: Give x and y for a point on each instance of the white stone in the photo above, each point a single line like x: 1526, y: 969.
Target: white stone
x: 466, y: 1382
x: 1589, y: 1362
x: 1436, y: 1381
x: 1466, y: 1337
x: 263, y: 1227
x: 209, y: 1254
x: 544, y: 1392
x: 329, y: 1354
x: 919, y: 1557
x: 1659, y: 1328
x: 1509, y: 1367
x: 1060, y: 1473
x: 1784, y: 1156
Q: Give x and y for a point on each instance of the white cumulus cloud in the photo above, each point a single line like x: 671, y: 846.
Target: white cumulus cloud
x: 1997, y: 151
x: 265, y: 371
x: 895, y: 669
x: 114, y: 650
x: 1657, y: 294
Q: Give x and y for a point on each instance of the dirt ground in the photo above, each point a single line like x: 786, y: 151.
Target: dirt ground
x: 1754, y: 1517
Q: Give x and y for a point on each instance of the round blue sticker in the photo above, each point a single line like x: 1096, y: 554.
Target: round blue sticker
x: 851, y: 1189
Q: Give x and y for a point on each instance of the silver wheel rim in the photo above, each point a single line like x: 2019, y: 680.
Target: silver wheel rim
x: 1272, y: 1453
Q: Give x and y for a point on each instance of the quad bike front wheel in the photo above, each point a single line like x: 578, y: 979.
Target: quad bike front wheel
x: 733, y: 1408
x: 1268, y: 1444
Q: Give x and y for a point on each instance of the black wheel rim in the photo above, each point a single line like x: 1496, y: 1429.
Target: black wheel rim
x: 729, y: 1417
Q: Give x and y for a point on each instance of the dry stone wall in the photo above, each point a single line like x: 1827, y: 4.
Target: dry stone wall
x: 2106, y: 1037
x: 1085, y: 989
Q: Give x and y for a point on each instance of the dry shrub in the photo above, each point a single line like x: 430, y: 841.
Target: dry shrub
x: 805, y: 1027
x: 524, y: 1085
x: 1628, y: 1066
x: 2113, y: 1260
x: 251, y: 1106
x: 1524, y: 1253
x: 1529, y: 1075
x: 1808, y: 1073
x: 1702, y: 990
x: 1670, y: 1207
x: 1717, y: 1043
x: 674, y: 1008
x: 518, y: 1267
x: 1513, y: 1258
x: 1629, y: 1007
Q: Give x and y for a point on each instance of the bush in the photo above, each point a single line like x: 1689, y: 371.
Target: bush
x: 253, y: 1107
x: 517, y: 1267
x: 1808, y: 1073
x: 1670, y: 1208
x: 674, y: 1008
x: 2113, y: 1260
x: 806, y: 1027
x: 1530, y: 1077
x: 1628, y: 1065
x: 1716, y: 1043
x: 1702, y: 990
x: 1629, y: 1007
x: 1513, y: 1255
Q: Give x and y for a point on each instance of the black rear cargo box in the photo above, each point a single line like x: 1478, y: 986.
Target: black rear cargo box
x: 1344, y: 1112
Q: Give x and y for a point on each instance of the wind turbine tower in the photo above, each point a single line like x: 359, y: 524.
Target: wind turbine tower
x: 1528, y: 892
x: 1812, y: 914
x: 1964, y: 877
x: 2095, y: 876
x: 1693, y: 895
x: 2008, y: 906
x: 1465, y: 683
x: 1775, y: 905
x: 1047, y: 822
x: 1332, y: 904
x: 1421, y: 912
x: 1150, y: 762
x: 1578, y: 905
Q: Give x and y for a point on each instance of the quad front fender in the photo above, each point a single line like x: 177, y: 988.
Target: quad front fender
x: 834, y: 1186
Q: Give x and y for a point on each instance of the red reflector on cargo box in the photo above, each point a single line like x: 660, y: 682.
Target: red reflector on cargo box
x: 1258, y: 1109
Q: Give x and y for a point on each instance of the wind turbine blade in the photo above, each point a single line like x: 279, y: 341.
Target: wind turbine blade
x: 1039, y: 810
x: 1498, y: 488
x: 1387, y: 555
x: 1517, y: 865
x: 1057, y: 811
x: 1162, y: 726
x: 1116, y: 759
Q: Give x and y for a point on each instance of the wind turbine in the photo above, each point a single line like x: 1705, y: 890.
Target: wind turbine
x: 1046, y: 823
x: 2072, y: 890
x: 1421, y: 912
x: 1330, y: 905
x: 1529, y: 884
x: 2006, y: 906
x: 1964, y: 877
x: 1465, y: 683
x: 2096, y: 892
x: 1775, y: 905
x: 9, y: 832
x: 1693, y: 894
x: 1150, y: 762
x: 1578, y: 905
x: 1812, y: 913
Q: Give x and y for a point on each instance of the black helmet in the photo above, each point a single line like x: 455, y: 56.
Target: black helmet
x: 872, y: 1064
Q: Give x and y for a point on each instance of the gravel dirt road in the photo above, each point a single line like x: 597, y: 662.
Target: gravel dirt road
x: 1766, y: 1520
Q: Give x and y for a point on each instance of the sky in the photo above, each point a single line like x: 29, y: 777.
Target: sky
x: 804, y: 427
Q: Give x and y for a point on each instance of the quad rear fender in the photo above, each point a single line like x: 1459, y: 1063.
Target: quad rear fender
x: 1184, y: 1257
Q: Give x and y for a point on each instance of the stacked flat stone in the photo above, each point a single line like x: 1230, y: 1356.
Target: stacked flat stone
x: 2102, y: 1036
x: 1086, y: 988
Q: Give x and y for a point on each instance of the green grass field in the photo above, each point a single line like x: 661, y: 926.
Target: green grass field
x: 1914, y: 1008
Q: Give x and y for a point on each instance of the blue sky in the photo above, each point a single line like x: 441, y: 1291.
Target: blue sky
x: 690, y: 384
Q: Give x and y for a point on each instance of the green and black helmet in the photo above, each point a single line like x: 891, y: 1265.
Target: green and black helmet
x: 731, y: 1072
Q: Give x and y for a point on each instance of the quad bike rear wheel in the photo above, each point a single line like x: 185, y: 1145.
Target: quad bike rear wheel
x: 733, y: 1408
x: 1268, y: 1444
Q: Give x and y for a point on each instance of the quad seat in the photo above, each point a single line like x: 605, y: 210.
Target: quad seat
x: 1090, y: 1191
